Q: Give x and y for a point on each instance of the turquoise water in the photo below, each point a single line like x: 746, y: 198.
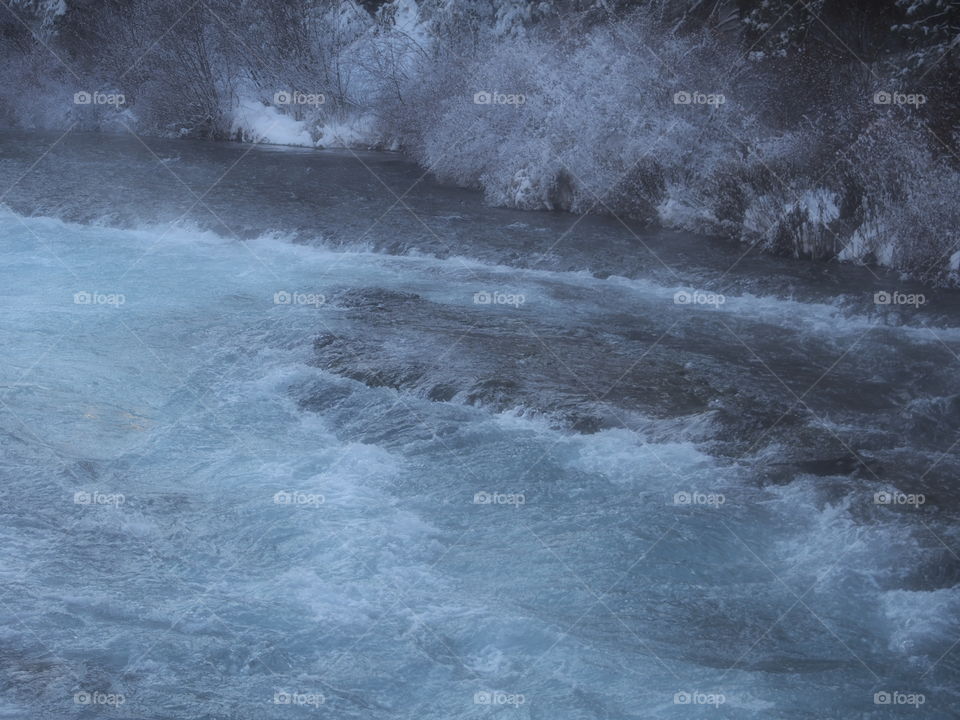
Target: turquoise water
x: 206, y: 514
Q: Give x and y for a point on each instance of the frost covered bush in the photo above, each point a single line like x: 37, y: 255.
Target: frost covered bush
x: 906, y: 200
x: 764, y: 195
x: 601, y: 121
x: 328, y: 73
x: 750, y: 119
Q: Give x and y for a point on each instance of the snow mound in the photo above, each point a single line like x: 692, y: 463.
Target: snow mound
x: 255, y: 122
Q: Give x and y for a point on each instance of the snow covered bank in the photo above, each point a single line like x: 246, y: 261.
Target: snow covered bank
x: 653, y: 111
x: 254, y: 121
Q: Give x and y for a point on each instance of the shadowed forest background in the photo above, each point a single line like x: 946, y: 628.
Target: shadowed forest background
x: 824, y: 129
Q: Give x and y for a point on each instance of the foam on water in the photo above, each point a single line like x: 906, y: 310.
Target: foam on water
x: 397, y: 573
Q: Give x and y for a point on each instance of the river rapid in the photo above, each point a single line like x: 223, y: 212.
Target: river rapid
x: 287, y: 433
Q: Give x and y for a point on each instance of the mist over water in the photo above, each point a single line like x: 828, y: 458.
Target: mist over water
x: 254, y: 468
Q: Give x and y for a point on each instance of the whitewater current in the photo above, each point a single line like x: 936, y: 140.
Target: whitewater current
x: 261, y: 478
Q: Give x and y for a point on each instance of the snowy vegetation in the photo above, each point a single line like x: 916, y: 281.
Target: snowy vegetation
x: 824, y: 129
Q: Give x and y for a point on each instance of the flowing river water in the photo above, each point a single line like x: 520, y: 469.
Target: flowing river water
x: 307, y: 434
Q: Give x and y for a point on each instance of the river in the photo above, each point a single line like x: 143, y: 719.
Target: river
x: 290, y: 433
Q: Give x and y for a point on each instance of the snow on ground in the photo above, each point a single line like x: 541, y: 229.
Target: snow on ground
x: 353, y: 132
x: 256, y: 122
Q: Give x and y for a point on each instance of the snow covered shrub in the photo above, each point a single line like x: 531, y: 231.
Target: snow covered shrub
x: 747, y: 119
x: 480, y: 125
x: 328, y: 73
x: 310, y: 81
x: 607, y: 122
x: 764, y: 195
x: 907, y: 198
